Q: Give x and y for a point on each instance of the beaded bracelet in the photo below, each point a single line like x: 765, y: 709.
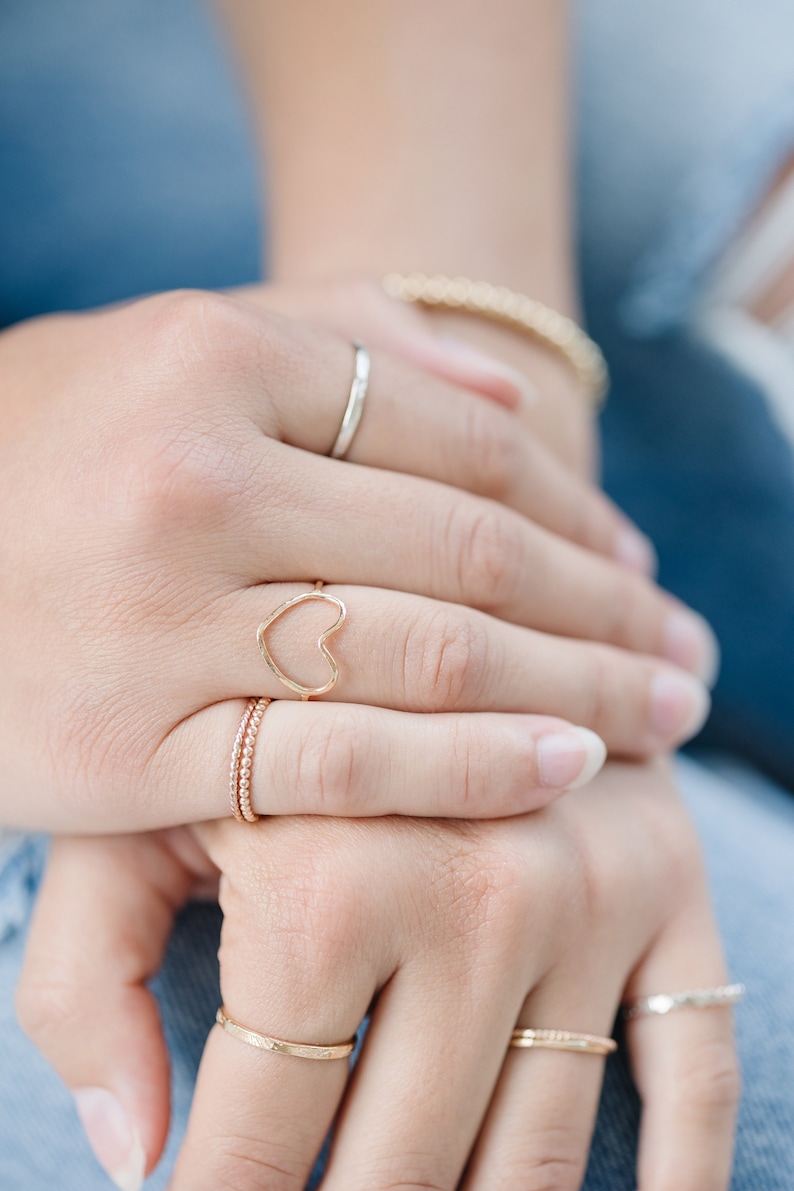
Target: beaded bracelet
x: 554, y: 330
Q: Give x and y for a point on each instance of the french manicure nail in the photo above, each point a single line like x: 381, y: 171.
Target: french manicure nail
x: 680, y: 705
x: 570, y: 759
x: 115, y: 1141
x: 636, y: 552
x: 690, y: 642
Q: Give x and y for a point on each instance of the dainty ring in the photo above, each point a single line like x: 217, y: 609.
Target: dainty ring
x: 243, y: 758
x: 297, y: 1050
x: 693, y: 998
x: 355, y: 403
x: 583, y: 1044
x: 305, y: 692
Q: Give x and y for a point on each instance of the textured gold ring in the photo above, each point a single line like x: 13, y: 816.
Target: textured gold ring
x: 305, y: 692
x: 583, y: 1044
x: 297, y: 1050
x: 243, y: 759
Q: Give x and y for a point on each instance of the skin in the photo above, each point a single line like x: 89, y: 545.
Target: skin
x: 190, y: 499
x: 460, y: 931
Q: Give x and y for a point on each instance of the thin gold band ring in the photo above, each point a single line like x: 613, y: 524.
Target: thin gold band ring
x: 584, y: 1044
x: 297, y: 1050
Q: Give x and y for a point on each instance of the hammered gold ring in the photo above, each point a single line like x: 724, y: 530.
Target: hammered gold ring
x: 305, y: 692
x: 583, y: 1044
x: 297, y: 1050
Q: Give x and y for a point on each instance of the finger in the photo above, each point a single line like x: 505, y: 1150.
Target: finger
x: 408, y: 653
x: 432, y: 1056
x: 685, y: 1064
x: 438, y: 658
x: 102, y: 920
x: 358, y: 525
x: 540, y: 1121
x: 359, y: 309
x: 259, y: 1118
x: 422, y: 425
x: 358, y: 761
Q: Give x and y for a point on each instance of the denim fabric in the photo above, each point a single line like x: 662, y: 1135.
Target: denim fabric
x: 686, y: 112
x: 747, y: 827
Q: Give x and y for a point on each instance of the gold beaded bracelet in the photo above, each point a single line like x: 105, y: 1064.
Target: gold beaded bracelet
x: 554, y: 330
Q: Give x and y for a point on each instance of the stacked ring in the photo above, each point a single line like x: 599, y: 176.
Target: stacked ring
x: 242, y: 759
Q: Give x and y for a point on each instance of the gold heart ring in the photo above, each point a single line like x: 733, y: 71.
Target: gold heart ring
x: 305, y: 692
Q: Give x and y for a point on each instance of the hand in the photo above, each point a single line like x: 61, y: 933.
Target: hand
x: 461, y: 930
x: 478, y: 354
x: 162, y: 494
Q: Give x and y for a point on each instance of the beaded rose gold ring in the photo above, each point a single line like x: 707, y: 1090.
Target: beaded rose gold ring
x: 242, y: 759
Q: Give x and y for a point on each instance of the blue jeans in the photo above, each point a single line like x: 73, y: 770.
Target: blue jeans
x: 747, y: 828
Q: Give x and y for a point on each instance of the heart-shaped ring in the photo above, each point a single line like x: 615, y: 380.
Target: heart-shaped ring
x: 305, y: 692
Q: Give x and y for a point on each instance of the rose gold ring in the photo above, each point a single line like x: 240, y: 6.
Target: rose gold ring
x: 243, y: 758
x: 305, y: 692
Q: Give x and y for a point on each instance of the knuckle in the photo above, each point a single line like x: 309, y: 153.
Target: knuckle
x: 486, y: 550
x: 192, y: 328
x: 408, y: 1171
x: 710, y: 1082
x: 328, y: 761
x: 552, y: 1170
x: 179, y: 476
x: 306, y: 898
x: 246, y: 1164
x: 484, y: 890
x: 597, y: 689
x: 491, y: 447
x: 444, y: 661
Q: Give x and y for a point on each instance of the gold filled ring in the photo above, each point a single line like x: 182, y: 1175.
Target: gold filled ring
x: 297, y: 1050
x: 583, y: 1044
x: 305, y: 692
x: 355, y: 403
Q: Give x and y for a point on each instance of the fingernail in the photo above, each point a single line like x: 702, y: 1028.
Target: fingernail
x: 568, y: 760
x: 114, y: 1139
x: 480, y: 363
x: 679, y: 706
x: 690, y: 642
x: 636, y: 552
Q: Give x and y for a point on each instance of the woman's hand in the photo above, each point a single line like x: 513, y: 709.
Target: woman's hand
x: 461, y: 931
x: 163, y: 491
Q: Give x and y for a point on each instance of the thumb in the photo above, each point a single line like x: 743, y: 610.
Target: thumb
x: 100, y: 928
